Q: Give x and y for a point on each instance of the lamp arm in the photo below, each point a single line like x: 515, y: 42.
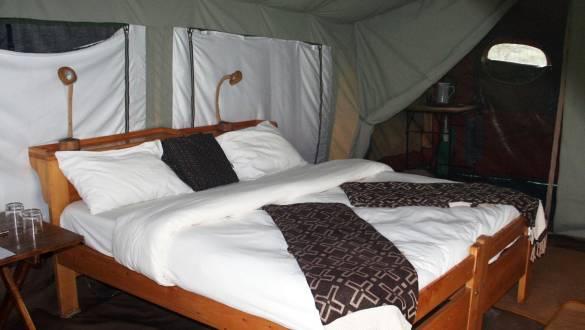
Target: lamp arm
x: 70, y: 111
x: 217, y: 90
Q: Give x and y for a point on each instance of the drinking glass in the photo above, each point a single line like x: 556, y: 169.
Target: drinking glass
x: 13, y: 214
x: 32, y: 220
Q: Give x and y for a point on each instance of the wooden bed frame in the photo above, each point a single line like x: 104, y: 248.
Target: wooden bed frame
x: 456, y: 300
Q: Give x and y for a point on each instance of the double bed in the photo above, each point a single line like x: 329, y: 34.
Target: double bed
x: 235, y: 271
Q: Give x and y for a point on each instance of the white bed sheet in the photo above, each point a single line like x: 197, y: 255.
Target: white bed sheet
x: 97, y: 230
x: 243, y: 261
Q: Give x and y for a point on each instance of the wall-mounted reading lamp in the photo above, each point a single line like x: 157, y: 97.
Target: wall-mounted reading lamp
x: 68, y: 76
x: 233, y: 78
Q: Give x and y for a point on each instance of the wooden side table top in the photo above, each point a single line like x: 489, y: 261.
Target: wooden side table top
x: 447, y: 108
x: 51, y: 238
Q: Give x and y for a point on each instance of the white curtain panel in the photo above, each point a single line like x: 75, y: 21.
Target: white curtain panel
x: 281, y: 82
x: 33, y: 104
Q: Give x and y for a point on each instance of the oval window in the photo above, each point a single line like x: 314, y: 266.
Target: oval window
x: 515, y: 63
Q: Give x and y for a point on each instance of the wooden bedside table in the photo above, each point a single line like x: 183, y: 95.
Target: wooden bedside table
x: 27, y: 251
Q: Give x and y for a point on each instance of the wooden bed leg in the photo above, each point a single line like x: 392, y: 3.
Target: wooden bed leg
x: 65, y: 279
x: 475, y: 315
x: 523, y: 282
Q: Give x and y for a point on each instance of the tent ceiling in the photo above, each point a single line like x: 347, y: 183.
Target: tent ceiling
x: 342, y: 11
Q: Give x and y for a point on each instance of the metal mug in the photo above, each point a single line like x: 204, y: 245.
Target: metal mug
x: 444, y: 91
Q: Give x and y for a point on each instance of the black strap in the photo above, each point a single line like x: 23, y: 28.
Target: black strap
x: 127, y: 78
x: 320, y: 47
x: 192, y: 67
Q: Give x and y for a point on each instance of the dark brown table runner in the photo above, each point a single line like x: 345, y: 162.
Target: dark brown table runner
x: 348, y: 265
x: 396, y: 194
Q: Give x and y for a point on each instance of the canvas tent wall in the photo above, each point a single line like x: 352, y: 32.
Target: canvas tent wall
x: 394, y: 43
x: 570, y: 210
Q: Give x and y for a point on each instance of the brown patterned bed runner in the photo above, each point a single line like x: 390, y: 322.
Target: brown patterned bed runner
x: 396, y: 194
x: 348, y: 265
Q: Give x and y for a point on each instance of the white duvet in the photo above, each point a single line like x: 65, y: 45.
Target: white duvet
x: 216, y: 243
x: 142, y: 238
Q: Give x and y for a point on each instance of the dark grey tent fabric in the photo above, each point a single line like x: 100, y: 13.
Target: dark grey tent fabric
x: 31, y: 36
x: 341, y: 11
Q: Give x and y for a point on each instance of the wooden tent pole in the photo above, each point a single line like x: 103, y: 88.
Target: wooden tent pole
x: 558, y: 128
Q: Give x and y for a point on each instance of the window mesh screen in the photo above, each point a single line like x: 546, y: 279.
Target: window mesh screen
x: 33, y: 36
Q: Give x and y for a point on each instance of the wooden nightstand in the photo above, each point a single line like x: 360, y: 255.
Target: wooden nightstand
x: 27, y: 252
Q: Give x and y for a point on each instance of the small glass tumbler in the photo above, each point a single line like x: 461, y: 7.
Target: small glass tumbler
x: 13, y: 214
x: 32, y: 220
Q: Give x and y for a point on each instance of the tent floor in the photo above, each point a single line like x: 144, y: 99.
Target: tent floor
x: 556, y: 278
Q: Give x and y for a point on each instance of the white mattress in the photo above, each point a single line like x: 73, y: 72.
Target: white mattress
x: 243, y: 261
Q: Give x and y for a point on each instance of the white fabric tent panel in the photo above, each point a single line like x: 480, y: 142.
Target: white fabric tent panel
x: 33, y: 104
x: 137, y: 73
x: 280, y: 83
x: 181, y: 79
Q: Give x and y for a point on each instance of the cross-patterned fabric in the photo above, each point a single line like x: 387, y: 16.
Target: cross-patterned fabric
x: 397, y: 194
x: 348, y: 265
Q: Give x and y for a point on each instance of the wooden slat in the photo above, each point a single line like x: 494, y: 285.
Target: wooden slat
x: 475, y: 315
x: 491, y: 281
x: 502, y: 275
x: 523, y: 283
x: 452, y: 316
x: 105, y: 269
x: 47, y: 151
x: 125, y: 140
x: 505, y: 237
x: 442, y: 288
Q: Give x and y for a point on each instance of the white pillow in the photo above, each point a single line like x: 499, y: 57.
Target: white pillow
x: 258, y: 151
x: 110, y: 179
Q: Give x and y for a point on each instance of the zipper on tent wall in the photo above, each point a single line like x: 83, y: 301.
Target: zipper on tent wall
x: 127, y: 78
x: 320, y: 48
x: 9, y: 37
x: 192, y: 69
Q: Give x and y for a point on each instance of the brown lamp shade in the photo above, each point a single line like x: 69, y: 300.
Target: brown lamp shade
x: 236, y: 77
x: 67, y: 75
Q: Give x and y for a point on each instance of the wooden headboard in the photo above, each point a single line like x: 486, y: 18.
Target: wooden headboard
x: 56, y: 189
